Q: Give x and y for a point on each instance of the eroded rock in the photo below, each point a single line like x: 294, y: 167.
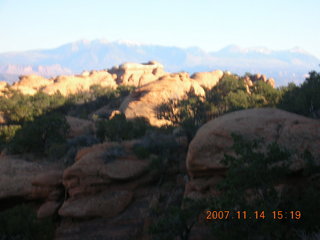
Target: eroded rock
x: 213, y: 140
x: 144, y: 101
x: 103, y: 204
x: 136, y: 74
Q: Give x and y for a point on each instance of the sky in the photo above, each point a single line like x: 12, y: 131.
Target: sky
x: 208, y: 24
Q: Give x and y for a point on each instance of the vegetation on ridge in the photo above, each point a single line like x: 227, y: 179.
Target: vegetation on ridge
x: 37, y: 124
x: 232, y: 94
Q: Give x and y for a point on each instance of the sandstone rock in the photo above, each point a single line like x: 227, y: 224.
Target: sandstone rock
x: 48, y: 209
x: 32, y: 81
x: 3, y: 87
x: 208, y: 79
x: 263, y: 78
x: 2, y: 118
x: 79, y: 127
x: 144, y: 101
x: 271, y: 82
x: 248, y: 81
x: 127, y: 225
x: 104, y: 204
x: 47, y: 185
x: 51, y: 178
x: 26, y: 90
x: 259, y: 77
x: 16, y: 176
x: 72, y: 84
x: 98, y: 166
x: 213, y: 140
x: 114, y: 113
x: 136, y: 74
x: 30, y: 84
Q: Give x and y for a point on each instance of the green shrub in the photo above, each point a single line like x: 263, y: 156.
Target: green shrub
x: 304, y: 99
x: 7, y: 133
x: 176, y: 222
x: 119, y: 128
x: 250, y: 185
x: 20, y: 223
x: 19, y: 108
x: 40, y: 135
x: 113, y: 153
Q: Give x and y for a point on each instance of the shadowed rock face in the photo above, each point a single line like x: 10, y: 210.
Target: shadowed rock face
x: 31, y: 181
x: 16, y: 175
x: 79, y: 127
x: 102, y: 180
x: 213, y: 140
x: 110, y: 185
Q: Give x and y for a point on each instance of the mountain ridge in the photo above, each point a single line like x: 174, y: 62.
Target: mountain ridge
x: 283, y: 65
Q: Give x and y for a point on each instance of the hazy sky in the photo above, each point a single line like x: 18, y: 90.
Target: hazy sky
x: 209, y: 24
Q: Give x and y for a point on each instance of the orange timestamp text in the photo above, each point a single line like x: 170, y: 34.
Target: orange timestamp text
x: 244, y: 215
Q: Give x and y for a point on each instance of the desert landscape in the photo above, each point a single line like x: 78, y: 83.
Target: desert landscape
x: 159, y: 120
x: 130, y: 152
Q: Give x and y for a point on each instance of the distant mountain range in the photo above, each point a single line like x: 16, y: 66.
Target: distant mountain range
x: 284, y: 66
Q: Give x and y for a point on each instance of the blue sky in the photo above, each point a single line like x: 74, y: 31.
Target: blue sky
x: 209, y: 24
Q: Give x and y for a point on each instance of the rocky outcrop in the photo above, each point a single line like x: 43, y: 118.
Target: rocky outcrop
x: 144, y: 101
x: 107, y: 173
x: 48, y: 188
x: 3, y: 86
x: 213, y: 140
x: 108, y: 189
x: 30, y: 84
x: 103, y: 204
x: 132, y: 74
x: 79, y: 127
x: 65, y: 85
x: 24, y: 179
x: 250, y: 80
x: 208, y: 79
x: 79, y: 83
x: 136, y: 74
x: 16, y: 175
x: 31, y: 180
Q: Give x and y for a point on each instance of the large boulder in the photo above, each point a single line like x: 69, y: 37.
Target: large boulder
x: 17, y: 175
x: 136, y: 74
x: 208, y: 79
x: 3, y: 87
x: 144, y: 101
x: 213, y: 140
x: 103, y: 204
x: 102, y: 180
x: 30, y: 84
x: 79, y: 83
x: 48, y: 188
x: 79, y: 127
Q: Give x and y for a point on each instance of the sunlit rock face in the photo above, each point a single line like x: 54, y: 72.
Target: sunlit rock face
x: 135, y: 74
x: 144, y: 101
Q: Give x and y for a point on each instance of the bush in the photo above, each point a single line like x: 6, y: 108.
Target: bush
x: 40, y: 135
x: 18, y: 108
x: 304, y: 99
x: 7, y: 133
x: 20, y: 223
x: 176, y: 222
x: 250, y: 185
x: 119, y: 128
